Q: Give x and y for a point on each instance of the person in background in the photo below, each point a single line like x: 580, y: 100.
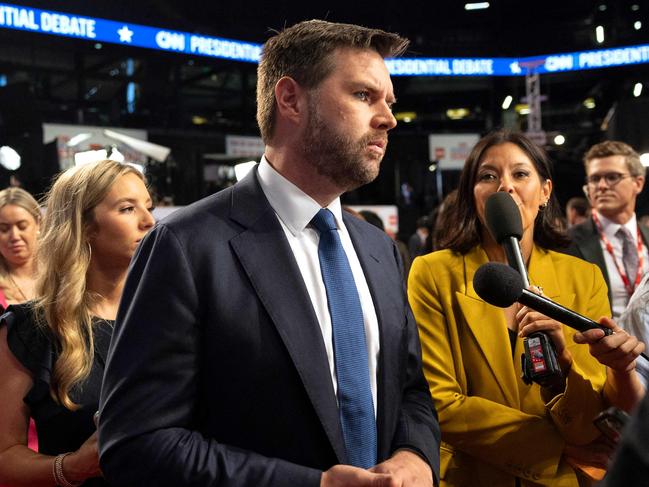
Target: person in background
x: 19, y: 227
x: 417, y: 241
x: 630, y: 465
x: 264, y: 338
x: 635, y: 320
x: 496, y: 429
x: 577, y: 211
x: 443, y: 220
x: 53, y: 349
x: 20, y: 218
x: 374, y: 219
x: 612, y: 238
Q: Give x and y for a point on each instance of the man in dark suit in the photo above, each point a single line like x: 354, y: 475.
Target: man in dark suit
x: 227, y: 366
x: 630, y: 465
x: 614, y: 178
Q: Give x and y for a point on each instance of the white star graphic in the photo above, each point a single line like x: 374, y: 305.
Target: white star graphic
x: 125, y: 34
x: 515, y: 68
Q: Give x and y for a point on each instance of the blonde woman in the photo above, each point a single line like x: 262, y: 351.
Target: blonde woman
x: 19, y: 223
x: 52, y: 351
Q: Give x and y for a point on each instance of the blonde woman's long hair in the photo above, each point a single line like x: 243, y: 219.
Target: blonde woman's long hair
x: 64, y: 303
x: 21, y: 198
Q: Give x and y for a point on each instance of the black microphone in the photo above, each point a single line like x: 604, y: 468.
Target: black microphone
x: 502, y: 286
x: 503, y: 220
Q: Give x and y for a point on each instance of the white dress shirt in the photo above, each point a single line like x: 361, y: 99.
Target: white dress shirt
x: 294, y: 210
x: 619, y: 294
x: 635, y: 320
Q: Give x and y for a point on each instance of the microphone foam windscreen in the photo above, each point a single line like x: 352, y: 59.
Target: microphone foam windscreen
x: 503, y: 217
x: 498, y: 284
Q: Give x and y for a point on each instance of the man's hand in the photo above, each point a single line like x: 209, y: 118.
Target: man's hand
x: 617, y: 351
x: 348, y: 476
x: 407, y: 468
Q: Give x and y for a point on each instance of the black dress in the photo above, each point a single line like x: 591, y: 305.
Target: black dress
x: 59, y: 429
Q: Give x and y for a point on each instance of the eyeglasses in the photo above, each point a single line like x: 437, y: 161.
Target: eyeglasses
x: 611, y: 178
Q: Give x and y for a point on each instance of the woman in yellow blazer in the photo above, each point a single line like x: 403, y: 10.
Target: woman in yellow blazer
x: 496, y: 430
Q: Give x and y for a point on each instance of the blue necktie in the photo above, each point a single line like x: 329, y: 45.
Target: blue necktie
x: 355, y: 403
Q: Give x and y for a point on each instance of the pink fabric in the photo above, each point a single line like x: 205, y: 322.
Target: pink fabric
x: 32, y: 438
x: 3, y: 300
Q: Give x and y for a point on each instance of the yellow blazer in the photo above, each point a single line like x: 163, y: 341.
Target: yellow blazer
x: 494, y: 426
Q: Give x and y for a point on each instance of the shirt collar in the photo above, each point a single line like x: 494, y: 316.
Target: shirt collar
x: 610, y: 228
x: 293, y: 206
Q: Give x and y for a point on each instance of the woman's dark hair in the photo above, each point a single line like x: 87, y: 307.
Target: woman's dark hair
x: 466, y: 232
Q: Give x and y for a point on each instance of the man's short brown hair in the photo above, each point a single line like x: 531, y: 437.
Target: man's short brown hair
x: 616, y: 148
x: 303, y: 52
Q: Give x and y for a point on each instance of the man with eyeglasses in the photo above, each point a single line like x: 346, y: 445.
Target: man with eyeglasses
x: 612, y: 237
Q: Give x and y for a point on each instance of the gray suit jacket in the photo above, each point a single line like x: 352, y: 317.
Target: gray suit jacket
x: 217, y: 373
x: 586, y: 245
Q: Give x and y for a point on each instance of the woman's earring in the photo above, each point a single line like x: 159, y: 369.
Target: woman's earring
x: 543, y: 206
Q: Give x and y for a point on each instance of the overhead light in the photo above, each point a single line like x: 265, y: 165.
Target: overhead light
x: 599, y: 34
x: 77, y: 139
x: 198, y: 120
x: 637, y: 25
x: 149, y: 149
x: 98, y: 45
x: 644, y: 159
x: 635, y: 7
x: 240, y: 170
x: 522, y: 109
x: 559, y: 139
x: 476, y: 6
x: 507, y: 102
x: 602, y: 7
x: 589, y: 103
x: 637, y: 90
x: 432, y: 167
x: 405, y: 116
x: 90, y: 156
x: 9, y: 158
x: 457, y: 113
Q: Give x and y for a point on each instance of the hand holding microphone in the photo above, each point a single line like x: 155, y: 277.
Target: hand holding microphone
x: 531, y: 322
x: 546, y: 359
x: 502, y: 286
x: 618, y: 352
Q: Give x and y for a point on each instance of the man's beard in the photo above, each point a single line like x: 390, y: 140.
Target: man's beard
x: 347, y: 162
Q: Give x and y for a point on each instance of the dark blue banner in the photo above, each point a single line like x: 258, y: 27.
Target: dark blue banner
x: 125, y: 33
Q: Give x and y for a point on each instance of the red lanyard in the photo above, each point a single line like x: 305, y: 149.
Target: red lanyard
x: 609, y: 248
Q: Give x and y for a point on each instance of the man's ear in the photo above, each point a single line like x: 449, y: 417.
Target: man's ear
x: 639, y: 183
x: 290, y: 98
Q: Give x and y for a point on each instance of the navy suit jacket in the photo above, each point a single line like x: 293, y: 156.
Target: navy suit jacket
x: 586, y: 245
x: 217, y: 373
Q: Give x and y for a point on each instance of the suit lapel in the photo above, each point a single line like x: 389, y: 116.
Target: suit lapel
x: 269, y: 263
x: 591, y: 248
x: 487, y: 322
x: 644, y: 231
x: 488, y: 326
x: 375, y: 266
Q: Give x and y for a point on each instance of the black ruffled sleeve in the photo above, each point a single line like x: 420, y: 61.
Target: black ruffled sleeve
x: 32, y: 347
